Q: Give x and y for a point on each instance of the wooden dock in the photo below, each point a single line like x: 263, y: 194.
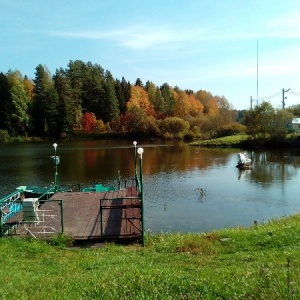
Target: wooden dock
x: 87, y: 216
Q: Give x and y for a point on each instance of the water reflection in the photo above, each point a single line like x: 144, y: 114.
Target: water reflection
x: 274, y: 166
x: 186, y: 188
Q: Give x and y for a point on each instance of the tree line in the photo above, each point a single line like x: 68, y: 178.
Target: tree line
x: 84, y: 98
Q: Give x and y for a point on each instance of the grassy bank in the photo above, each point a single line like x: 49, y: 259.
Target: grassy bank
x: 244, y: 140
x: 261, y: 262
x: 226, y: 142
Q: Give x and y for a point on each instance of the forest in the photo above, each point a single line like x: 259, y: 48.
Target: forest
x: 85, y: 100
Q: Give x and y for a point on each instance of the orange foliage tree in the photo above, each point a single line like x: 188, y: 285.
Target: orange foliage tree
x: 196, y: 106
x: 139, y: 99
x: 209, y: 102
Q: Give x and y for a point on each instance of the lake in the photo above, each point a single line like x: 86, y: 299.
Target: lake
x: 186, y: 189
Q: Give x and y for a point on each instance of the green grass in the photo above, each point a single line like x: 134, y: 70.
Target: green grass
x: 244, y: 140
x: 261, y: 262
x: 227, y: 141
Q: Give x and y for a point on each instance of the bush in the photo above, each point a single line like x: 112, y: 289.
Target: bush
x: 4, y: 136
x: 173, y: 127
x: 232, y: 129
x: 194, y: 133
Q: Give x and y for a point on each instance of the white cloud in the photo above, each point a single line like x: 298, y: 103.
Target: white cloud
x: 139, y: 37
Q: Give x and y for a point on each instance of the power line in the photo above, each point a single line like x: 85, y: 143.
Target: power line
x: 283, y: 92
x: 266, y: 98
x: 269, y: 97
x: 294, y: 93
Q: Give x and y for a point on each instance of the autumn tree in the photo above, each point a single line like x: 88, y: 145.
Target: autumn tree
x: 136, y: 120
x: 89, y: 122
x: 139, y: 98
x: 101, y: 127
x: 182, y: 105
x: 210, y: 104
x: 197, y: 107
x: 29, y: 86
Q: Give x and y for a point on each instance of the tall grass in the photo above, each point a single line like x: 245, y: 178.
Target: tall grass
x: 261, y: 262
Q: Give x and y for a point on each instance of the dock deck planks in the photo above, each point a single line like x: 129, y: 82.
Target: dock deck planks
x: 82, y: 220
x: 121, y: 215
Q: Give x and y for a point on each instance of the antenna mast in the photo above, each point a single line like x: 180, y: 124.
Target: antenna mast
x: 257, y: 71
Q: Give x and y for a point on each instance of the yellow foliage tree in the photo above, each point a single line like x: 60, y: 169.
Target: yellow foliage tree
x: 100, y: 126
x: 139, y: 98
x: 212, y: 107
x: 182, y: 105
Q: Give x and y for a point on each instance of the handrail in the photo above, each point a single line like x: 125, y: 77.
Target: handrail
x: 102, y: 207
x: 9, y: 206
x: 47, y: 192
x: 12, y: 196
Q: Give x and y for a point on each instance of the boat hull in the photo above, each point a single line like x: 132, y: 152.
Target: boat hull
x: 244, y: 166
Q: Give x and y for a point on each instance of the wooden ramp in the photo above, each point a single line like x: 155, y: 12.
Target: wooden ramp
x: 89, y: 216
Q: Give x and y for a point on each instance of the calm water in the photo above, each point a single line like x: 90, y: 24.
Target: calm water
x: 186, y: 189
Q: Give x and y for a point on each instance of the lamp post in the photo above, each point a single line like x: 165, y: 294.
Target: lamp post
x: 55, y: 163
x: 140, y: 151
x: 135, y: 173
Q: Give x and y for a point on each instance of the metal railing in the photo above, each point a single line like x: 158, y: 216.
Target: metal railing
x: 9, y: 206
x: 116, y: 206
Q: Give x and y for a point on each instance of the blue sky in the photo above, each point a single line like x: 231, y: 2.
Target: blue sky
x: 192, y: 44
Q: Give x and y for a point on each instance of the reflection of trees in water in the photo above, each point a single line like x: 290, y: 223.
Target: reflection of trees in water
x: 277, y: 165
x: 184, y: 157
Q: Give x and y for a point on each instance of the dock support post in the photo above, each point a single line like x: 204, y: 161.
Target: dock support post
x: 101, y: 220
x: 62, y: 216
x: 135, y: 171
x: 56, y: 161
x: 140, y: 152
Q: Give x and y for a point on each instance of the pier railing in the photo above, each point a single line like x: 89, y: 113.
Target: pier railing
x: 9, y: 206
x: 123, y: 217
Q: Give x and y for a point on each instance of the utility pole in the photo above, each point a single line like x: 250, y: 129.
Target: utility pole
x: 283, y: 97
x: 257, y: 71
x: 251, y: 102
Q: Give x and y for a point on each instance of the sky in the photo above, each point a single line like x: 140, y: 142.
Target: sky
x: 233, y: 48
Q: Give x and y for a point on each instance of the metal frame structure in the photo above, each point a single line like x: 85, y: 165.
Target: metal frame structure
x: 9, y: 206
